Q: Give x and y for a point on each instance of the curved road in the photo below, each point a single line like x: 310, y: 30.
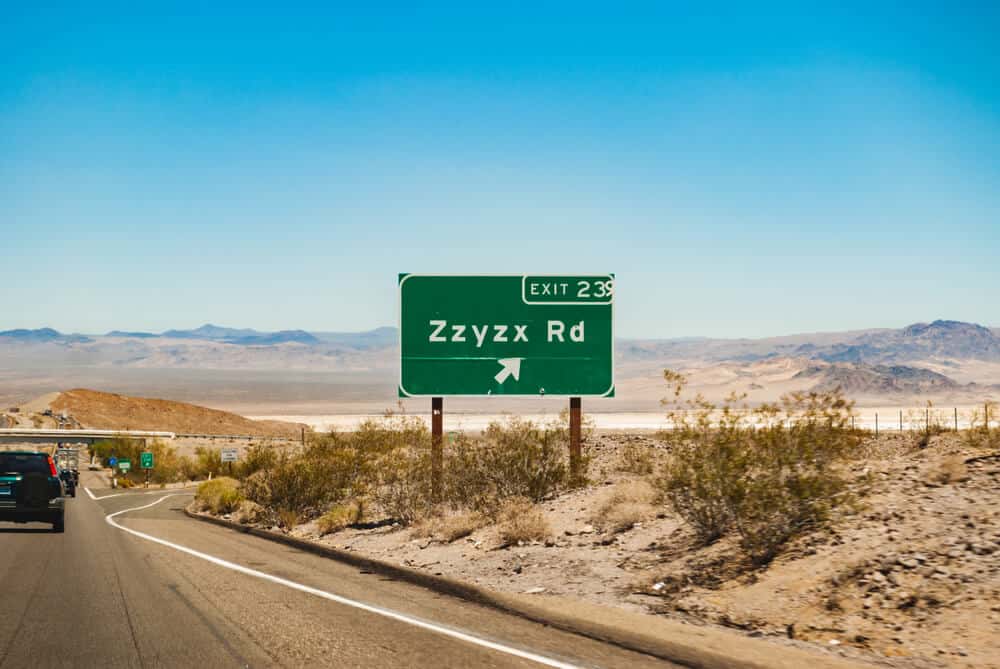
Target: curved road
x: 176, y: 592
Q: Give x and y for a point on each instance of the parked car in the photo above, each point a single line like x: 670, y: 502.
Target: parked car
x: 31, y: 489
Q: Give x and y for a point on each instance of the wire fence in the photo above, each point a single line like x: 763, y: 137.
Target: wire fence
x: 925, y: 419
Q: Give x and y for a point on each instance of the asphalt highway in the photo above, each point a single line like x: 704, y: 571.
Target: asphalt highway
x: 133, y: 582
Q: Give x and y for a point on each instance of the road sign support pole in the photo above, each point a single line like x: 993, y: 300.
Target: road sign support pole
x: 437, y: 437
x: 575, y: 459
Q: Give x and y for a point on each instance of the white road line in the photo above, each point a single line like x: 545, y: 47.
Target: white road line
x: 117, y: 494
x: 122, y: 494
x: 388, y: 613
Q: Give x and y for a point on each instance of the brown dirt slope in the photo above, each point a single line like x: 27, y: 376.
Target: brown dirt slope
x: 110, y: 411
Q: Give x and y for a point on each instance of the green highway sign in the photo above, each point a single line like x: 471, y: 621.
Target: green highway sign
x: 146, y: 460
x: 124, y: 465
x: 526, y: 335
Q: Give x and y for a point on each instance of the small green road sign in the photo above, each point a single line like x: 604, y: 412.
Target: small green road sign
x: 146, y: 460
x: 510, y: 335
x: 124, y: 465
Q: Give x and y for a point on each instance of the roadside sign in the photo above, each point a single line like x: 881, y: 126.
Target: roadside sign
x: 112, y: 461
x: 124, y: 465
x: 511, y: 335
x: 230, y: 455
x: 146, y: 460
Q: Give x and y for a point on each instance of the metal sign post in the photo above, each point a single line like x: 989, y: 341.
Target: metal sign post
x: 229, y: 455
x: 146, y: 462
x: 437, y: 450
x: 575, y: 455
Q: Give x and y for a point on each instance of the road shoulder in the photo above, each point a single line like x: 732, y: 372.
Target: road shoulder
x: 674, y: 641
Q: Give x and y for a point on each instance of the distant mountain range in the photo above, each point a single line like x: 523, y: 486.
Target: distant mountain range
x: 943, y: 358
x: 379, y: 337
x: 940, y: 339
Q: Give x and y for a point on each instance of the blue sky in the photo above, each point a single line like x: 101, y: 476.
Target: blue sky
x: 746, y: 171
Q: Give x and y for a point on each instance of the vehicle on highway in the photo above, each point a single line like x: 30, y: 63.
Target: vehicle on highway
x: 31, y: 489
x: 68, y: 462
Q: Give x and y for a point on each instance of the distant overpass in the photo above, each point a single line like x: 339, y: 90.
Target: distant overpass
x: 20, y: 435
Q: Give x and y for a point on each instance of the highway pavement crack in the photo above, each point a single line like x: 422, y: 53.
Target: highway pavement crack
x: 128, y: 614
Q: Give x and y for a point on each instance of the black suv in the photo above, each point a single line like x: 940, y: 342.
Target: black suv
x: 31, y: 489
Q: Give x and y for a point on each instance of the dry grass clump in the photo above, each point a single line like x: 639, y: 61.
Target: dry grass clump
x: 638, y: 459
x: 220, y: 495
x: 287, y: 518
x: 520, y: 520
x: 450, y: 527
x: 949, y: 469
x: 340, y: 516
x: 625, y: 505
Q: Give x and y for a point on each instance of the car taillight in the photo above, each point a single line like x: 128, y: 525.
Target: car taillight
x: 52, y: 467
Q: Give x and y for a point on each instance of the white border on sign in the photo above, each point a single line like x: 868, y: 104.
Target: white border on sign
x: 611, y: 304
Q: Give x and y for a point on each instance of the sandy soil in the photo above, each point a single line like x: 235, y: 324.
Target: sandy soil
x: 912, y: 580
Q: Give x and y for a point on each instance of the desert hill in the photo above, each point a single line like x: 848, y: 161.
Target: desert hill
x: 109, y: 411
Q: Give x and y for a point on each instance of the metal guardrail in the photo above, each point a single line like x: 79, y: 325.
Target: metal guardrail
x: 86, y: 434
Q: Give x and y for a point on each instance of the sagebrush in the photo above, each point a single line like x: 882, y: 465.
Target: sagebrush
x: 769, y: 472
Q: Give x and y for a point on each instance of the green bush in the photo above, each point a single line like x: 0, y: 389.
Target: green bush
x: 769, y: 473
x: 220, y: 495
x: 387, y: 463
x: 170, y: 466
x: 514, y: 458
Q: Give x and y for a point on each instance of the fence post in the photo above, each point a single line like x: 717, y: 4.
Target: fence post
x: 876, y: 423
x: 900, y: 420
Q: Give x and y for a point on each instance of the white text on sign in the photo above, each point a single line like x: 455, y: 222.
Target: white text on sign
x: 556, y: 331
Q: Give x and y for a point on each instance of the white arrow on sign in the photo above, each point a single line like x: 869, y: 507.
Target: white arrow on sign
x: 511, y: 367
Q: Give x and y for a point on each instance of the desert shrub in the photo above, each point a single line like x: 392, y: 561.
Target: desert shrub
x: 250, y: 512
x: 340, y: 516
x: 398, y: 468
x: 294, y: 483
x: 207, y: 461
x: 628, y: 503
x: 386, y: 461
x: 256, y: 458
x: 514, y: 458
x: 520, y: 520
x: 169, y: 465
x: 220, y: 495
x: 769, y: 473
x: 638, y: 459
